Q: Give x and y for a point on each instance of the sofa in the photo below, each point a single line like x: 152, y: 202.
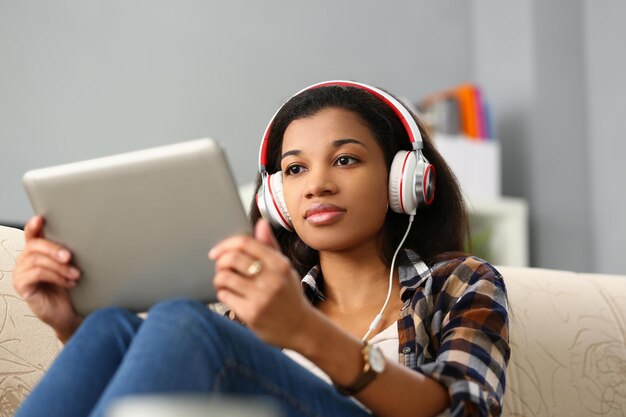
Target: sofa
x: 568, y: 341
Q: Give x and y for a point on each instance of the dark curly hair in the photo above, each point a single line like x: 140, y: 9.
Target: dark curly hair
x: 440, y: 231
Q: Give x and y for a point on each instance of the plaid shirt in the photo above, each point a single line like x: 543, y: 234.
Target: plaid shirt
x: 453, y: 328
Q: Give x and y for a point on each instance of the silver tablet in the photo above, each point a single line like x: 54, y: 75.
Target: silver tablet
x: 140, y: 224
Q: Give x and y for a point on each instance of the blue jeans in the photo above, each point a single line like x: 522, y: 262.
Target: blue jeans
x: 181, y: 348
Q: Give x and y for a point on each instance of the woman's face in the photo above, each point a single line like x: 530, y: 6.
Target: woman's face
x: 334, y: 180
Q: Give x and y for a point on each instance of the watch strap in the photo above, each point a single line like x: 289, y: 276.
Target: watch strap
x: 367, y: 375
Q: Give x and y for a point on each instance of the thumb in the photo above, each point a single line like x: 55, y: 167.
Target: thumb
x: 33, y: 227
x: 263, y: 233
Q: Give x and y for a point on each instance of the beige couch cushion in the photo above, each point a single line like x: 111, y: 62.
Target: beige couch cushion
x: 27, y: 346
x: 568, y: 342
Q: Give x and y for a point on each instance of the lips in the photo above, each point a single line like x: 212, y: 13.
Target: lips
x: 323, y: 213
x: 322, y: 208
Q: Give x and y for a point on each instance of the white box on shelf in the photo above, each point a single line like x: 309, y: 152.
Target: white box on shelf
x: 476, y: 164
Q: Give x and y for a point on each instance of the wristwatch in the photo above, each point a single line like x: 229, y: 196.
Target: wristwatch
x: 374, y: 364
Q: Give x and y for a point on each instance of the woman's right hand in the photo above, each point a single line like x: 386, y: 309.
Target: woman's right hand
x: 42, y: 276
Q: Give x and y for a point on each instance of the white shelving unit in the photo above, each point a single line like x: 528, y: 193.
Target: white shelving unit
x: 500, y: 230
x: 476, y: 164
x: 499, y: 224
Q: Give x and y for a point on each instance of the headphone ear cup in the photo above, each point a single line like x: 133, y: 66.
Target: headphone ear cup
x: 260, y: 202
x: 271, y: 202
x: 402, y: 198
x: 425, y: 183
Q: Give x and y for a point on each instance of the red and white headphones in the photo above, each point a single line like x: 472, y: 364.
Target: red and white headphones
x: 411, y: 178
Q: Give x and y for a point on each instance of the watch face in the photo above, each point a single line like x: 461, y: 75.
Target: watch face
x: 377, y: 360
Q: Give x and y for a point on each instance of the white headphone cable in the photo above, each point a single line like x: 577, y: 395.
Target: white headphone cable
x: 379, y: 317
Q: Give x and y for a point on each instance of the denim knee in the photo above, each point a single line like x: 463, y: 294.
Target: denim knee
x: 178, y: 307
x: 183, y: 306
x: 111, y: 322
x: 112, y: 316
x: 188, y: 316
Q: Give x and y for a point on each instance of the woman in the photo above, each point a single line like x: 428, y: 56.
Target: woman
x: 347, y: 179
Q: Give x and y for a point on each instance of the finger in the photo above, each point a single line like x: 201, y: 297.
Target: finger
x: 33, y: 227
x: 41, y: 260
x: 49, y: 248
x: 231, y: 243
x: 235, y: 283
x: 246, y: 244
x: 244, y: 308
x: 264, y: 234
x: 234, y: 260
x: 31, y: 279
x: 236, y: 302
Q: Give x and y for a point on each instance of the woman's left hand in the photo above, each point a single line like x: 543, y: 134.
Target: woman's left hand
x: 259, y: 284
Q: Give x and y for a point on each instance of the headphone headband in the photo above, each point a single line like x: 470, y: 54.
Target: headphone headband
x: 400, y: 110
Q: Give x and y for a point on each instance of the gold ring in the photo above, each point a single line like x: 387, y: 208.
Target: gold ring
x: 255, y: 268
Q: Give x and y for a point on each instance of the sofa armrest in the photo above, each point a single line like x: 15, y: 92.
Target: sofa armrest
x: 27, y: 346
x: 568, y: 343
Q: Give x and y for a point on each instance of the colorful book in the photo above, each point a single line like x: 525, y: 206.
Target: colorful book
x: 458, y: 110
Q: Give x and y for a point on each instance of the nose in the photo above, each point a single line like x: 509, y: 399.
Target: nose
x: 319, y: 183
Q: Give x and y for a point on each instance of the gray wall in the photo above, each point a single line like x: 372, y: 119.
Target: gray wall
x: 554, y: 74
x: 559, y: 168
x: 86, y: 79
x: 606, y: 103
x: 81, y: 79
x: 531, y: 62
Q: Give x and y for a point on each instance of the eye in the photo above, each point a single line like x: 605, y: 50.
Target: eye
x: 294, y: 169
x: 345, y: 160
